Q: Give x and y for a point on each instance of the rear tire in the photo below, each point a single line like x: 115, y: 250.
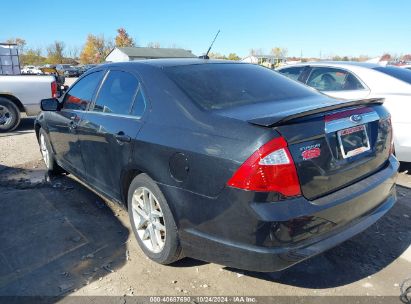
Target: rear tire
x: 47, y: 154
x: 9, y: 115
x: 152, y: 221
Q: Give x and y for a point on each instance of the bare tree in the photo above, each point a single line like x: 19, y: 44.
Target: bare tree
x: 21, y: 43
x: 279, y: 52
x: 255, y: 52
x: 73, y: 52
x: 155, y: 45
x: 55, y: 52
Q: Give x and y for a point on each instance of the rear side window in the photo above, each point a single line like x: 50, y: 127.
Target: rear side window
x: 80, y: 95
x: 399, y: 73
x: 117, y: 93
x: 224, y: 85
x: 331, y: 79
x: 139, y: 104
x: 292, y: 73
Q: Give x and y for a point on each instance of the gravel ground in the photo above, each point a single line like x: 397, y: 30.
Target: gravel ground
x: 59, y: 238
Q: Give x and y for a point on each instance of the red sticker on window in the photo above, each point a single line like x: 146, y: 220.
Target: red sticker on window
x: 311, y: 153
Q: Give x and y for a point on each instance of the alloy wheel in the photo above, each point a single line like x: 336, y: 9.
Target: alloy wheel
x: 6, y: 116
x: 44, y: 151
x: 148, y: 219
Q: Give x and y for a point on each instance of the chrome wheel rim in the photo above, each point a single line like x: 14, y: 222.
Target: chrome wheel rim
x: 44, y: 150
x: 148, y: 219
x: 6, y: 117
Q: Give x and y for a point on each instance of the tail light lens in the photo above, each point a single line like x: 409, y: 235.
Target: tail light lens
x: 388, y: 121
x: 54, y: 89
x: 269, y: 169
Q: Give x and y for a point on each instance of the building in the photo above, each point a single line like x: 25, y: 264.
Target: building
x: 269, y: 61
x: 121, y: 54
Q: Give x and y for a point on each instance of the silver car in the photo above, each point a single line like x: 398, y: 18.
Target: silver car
x: 356, y: 80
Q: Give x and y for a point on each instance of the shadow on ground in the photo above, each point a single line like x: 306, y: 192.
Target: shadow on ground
x: 405, y: 168
x: 56, y: 236
x: 26, y: 125
x: 358, y: 258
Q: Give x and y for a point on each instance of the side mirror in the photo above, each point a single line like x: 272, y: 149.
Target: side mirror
x: 49, y: 104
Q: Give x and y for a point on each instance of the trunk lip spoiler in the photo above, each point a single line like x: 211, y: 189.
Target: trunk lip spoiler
x: 273, y: 121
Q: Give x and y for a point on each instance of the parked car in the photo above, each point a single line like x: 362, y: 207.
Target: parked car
x: 351, y: 80
x: 405, y: 66
x: 66, y: 70
x: 223, y: 161
x: 31, y: 69
x: 84, y: 68
x: 22, y: 94
x: 71, y: 72
x: 81, y: 69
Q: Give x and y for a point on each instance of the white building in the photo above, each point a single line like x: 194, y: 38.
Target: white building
x: 269, y: 61
x: 121, y: 54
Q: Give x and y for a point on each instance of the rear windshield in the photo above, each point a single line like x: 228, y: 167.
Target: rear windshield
x: 399, y: 73
x: 220, y: 86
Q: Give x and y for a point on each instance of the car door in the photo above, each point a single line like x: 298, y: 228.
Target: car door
x: 109, y: 127
x: 338, y: 83
x: 63, y: 124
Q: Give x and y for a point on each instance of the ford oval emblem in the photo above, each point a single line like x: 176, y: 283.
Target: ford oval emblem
x: 356, y: 118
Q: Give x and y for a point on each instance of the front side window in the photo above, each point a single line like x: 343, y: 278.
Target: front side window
x: 117, y: 93
x: 293, y: 73
x: 331, y: 79
x: 81, y: 94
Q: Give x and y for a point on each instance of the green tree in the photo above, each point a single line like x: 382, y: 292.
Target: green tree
x: 216, y: 56
x: 55, y: 52
x: 233, y: 56
x: 32, y: 57
x: 123, y: 39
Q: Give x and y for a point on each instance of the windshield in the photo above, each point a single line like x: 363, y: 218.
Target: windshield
x: 220, y: 86
x: 401, y: 74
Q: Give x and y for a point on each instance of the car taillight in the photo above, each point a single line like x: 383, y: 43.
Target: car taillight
x: 269, y: 169
x: 386, y: 124
x: 54, y: 89
x: 392, y: 135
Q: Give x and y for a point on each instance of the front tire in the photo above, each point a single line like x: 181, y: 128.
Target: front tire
x: 9, y: 115
x: 47, y: 153
x: 152, y: 221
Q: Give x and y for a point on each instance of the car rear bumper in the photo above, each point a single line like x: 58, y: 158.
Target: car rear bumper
x: 268, y: 236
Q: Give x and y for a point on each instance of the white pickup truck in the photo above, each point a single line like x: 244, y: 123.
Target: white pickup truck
x: 21, y: 93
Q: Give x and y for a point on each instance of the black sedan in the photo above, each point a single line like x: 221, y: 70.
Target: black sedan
x: 221, y: 161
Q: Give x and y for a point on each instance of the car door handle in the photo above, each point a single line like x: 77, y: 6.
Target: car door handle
x: 121, y: 137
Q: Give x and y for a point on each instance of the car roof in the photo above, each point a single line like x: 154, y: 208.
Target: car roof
x: 342, y: 64
x: 174, y: 62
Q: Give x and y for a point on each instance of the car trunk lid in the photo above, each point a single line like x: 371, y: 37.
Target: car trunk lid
x: 333, y: 144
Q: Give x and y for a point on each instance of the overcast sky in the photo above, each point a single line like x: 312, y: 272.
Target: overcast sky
x: 331, y: 27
